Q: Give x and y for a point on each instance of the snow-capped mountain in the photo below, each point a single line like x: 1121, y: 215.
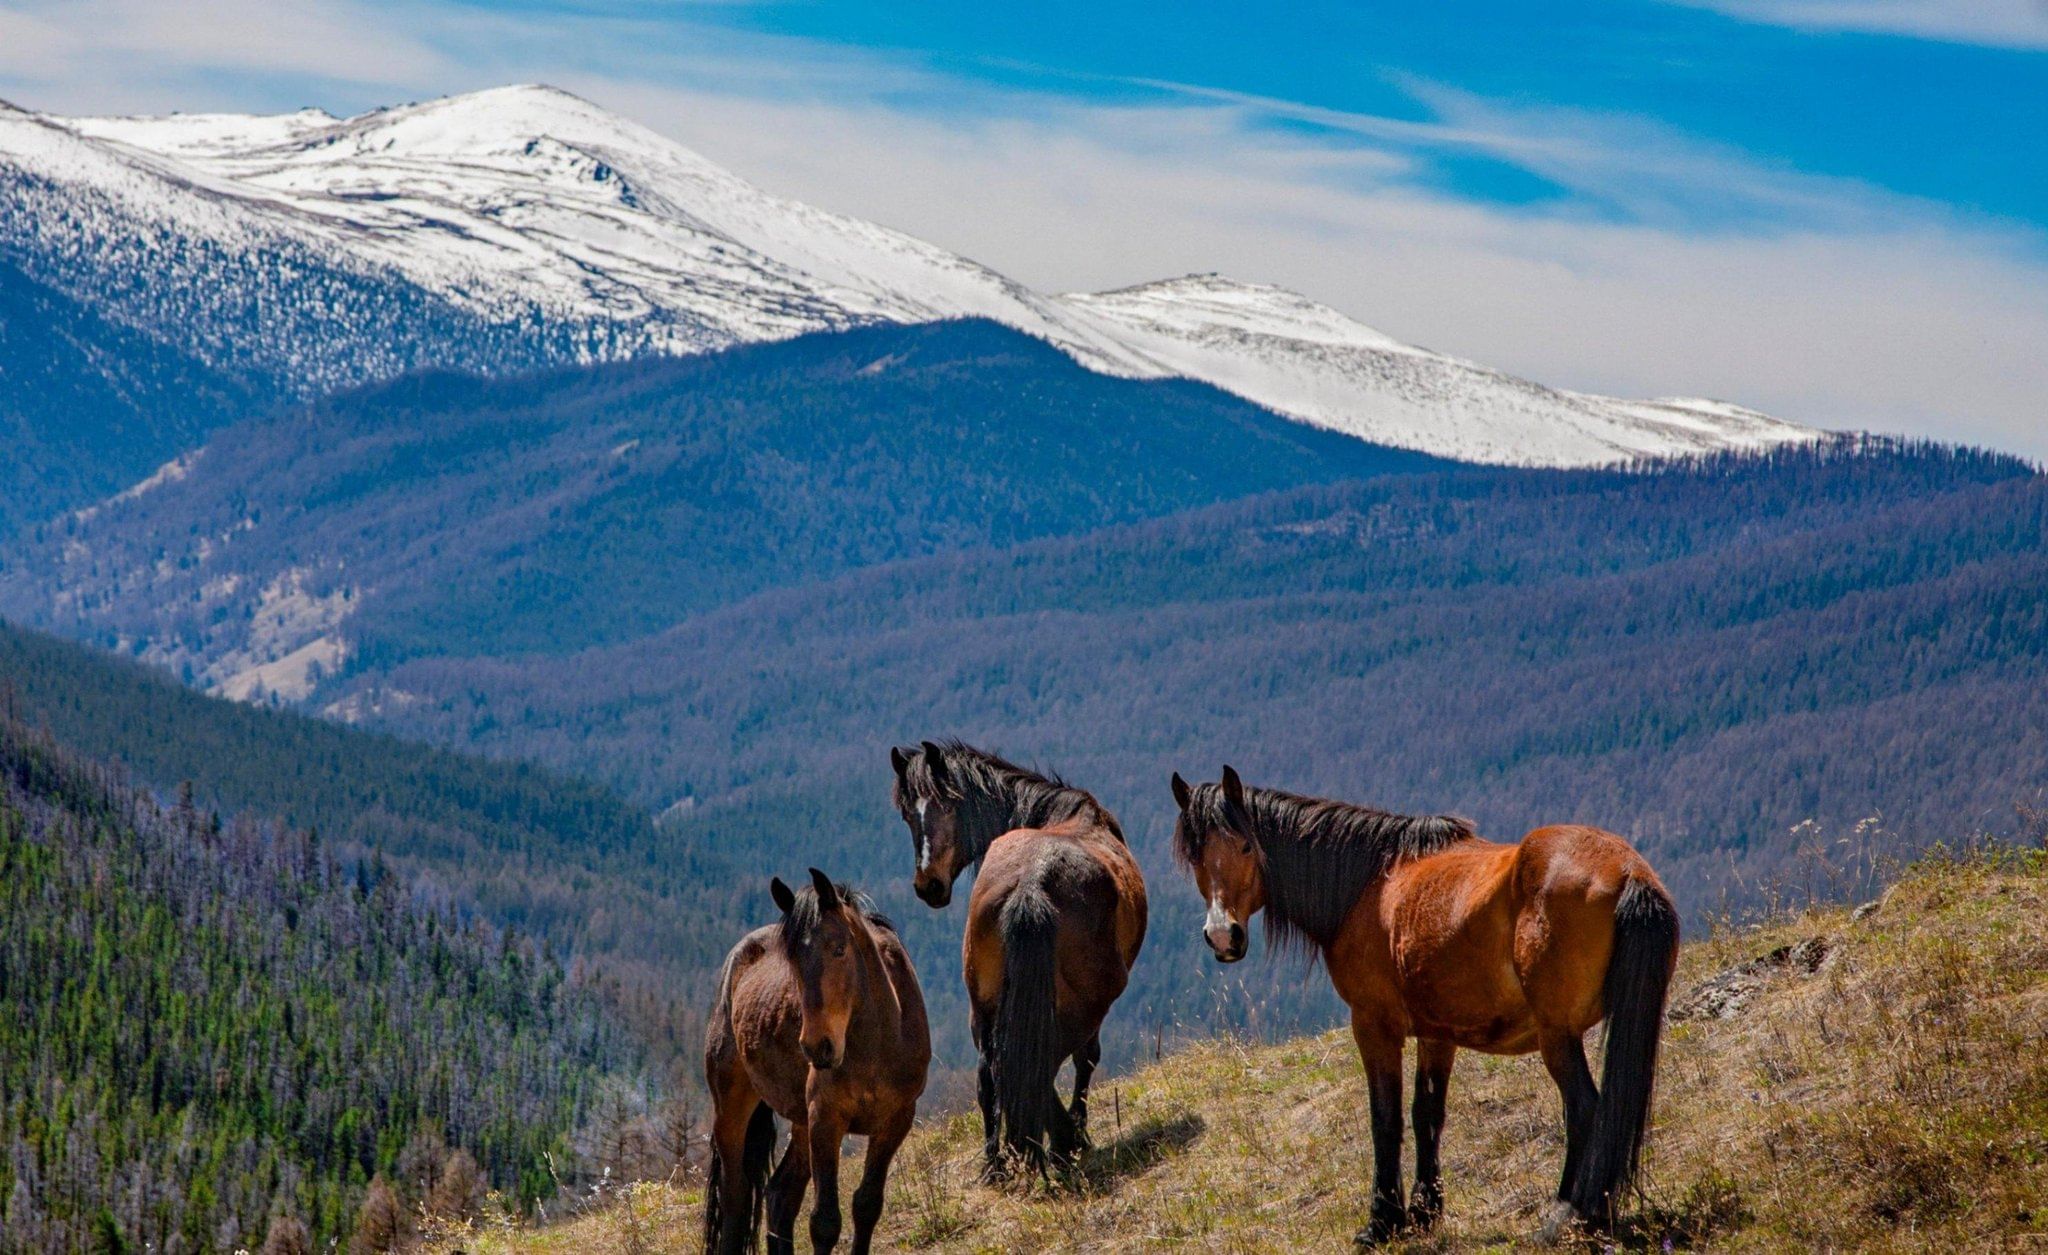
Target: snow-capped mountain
x: 1314, y: 363
x: 525, y: 225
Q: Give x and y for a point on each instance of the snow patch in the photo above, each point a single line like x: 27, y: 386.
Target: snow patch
x: 292, y: 639
x: 169, y: 473
x: 291, y: 678
x: 371, y: 704
x: 1311, y: 362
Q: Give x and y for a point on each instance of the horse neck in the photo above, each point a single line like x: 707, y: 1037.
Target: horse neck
x: 879, y: 1010
x: 988, y: 814
x: 1326, y: 881
x: 992, y: 812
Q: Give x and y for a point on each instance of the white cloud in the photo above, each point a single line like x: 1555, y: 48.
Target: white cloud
x: 2000, y: 23
x: 1664, y: 266
x: 28, y: 44
x: 117, y: 55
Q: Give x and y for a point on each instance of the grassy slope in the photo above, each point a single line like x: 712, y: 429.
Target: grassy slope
x: 1897, y: 1099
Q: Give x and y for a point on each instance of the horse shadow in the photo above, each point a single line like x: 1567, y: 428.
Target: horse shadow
x: 1136, y: 1150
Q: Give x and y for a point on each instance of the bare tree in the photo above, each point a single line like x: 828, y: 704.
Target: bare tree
x: 287, y: 1236
x: 380, y: 1223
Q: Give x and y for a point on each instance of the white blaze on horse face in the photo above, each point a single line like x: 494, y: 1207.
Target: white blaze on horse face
x: 924, y: 836
x: 1218, y: 919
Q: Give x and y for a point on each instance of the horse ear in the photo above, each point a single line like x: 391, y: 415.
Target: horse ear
x: 1233, y: 791
x: 935, y: 762
x: 828, y: 896
x: 898, y: 759
x: 1181, y: 792
x: 784, y: 896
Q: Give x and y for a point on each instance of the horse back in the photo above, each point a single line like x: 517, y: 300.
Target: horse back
x: 1483, y: 944
x: 757, y: 1024
x: 1087, y: 876
x: 1426, y: 947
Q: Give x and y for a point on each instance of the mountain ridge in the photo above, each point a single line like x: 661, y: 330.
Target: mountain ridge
x: 578, y: 505
x: 542, y: 228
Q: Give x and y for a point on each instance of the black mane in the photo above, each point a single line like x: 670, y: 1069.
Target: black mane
x: 995, y: 795
x: 1319, y: 855
x: 800, y: 922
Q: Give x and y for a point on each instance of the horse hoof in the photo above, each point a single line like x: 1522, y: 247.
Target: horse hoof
x: 1559, y: 1224
x: 1383, y: 1229
x: 1425, y: 1206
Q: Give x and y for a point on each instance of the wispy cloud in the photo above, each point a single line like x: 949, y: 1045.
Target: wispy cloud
x: 1998, y: 23
x: 1662, y: 264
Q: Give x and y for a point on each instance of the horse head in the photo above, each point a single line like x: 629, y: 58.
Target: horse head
x: 822, y: 932
x: 1214, y: 839
x: 930, y: 801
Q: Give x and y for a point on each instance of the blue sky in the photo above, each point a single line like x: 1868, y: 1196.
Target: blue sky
x: 1961, y: 120
x: 1834, y: 209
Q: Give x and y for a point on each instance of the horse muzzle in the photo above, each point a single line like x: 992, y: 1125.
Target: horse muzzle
x: 933, y: 892
x: 823, y: 1055
x: 1229, y: 944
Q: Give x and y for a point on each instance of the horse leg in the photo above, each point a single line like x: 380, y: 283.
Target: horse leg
x: 1380, y: 1050
x: 729, y: 1129
x: 992, y: 1168
x: 827, y: 1131
x: 786, y: 1192
x: 874, y: 1179
x: 1433, y: 1061
x: 1085, y: 1060
x: 1564, y: 1053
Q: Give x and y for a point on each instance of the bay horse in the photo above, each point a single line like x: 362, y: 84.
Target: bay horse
x: 819, y: 1020
x: 1054, y: 924
x: 1429, y: 932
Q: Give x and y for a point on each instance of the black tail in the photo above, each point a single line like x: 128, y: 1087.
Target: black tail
x: 756, y: 1158
x: 1025, y: 1044
x: 1638, y: 978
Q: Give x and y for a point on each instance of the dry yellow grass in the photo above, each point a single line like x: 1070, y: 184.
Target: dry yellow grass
x: 1896, y: 1099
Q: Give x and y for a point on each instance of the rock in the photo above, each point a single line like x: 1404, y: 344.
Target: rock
x: 1724, y: 995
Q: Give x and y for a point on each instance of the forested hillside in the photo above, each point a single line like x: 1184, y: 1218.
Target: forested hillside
x: 1703, y: 657
x: 87, y: 406
x: 553, y: 857
x: 723, y: 586
x: 449, y: 514
x: 217, y: 1027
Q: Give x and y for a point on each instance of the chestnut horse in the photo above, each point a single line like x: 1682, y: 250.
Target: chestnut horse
x: 1429, y: 932
x: 1053, y: 925
x: 819, y: 1020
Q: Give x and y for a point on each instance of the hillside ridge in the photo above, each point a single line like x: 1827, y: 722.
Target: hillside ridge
x: 1885, y: 1094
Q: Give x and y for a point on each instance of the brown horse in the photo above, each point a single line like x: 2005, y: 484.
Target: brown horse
x: 1053, y: 925
x: 1429, y: 932
x: 819, y: 1020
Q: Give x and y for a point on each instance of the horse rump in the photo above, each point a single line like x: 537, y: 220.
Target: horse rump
x: 1024, y: 1047
x: 1637, y: 982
